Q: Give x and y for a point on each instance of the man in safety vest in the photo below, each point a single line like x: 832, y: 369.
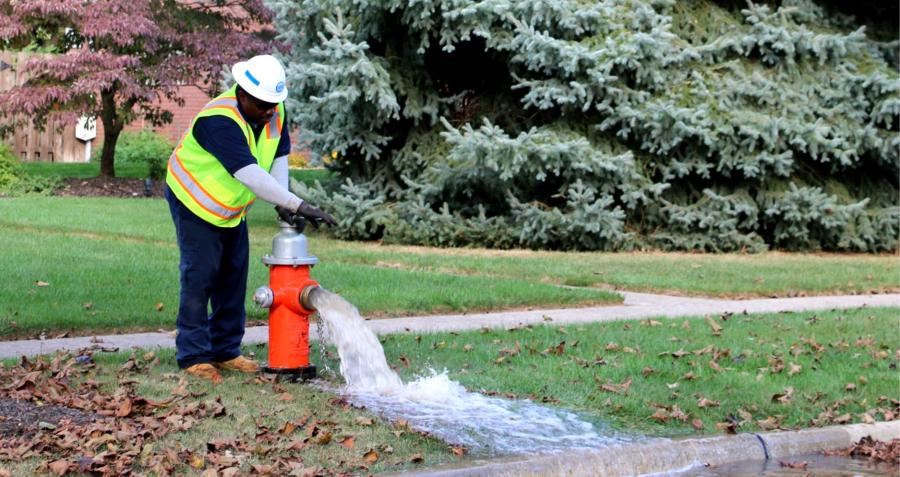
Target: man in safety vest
x: 235, y: 150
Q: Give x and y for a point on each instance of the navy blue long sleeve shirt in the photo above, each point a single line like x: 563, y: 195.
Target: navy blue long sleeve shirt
x: 225, y: 140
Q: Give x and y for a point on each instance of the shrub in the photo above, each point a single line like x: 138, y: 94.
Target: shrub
x: 145, y: 147
x: 610, y: 125
x: 15, y: 181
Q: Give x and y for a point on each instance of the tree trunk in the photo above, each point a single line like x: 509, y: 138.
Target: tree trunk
x: 112, y: 127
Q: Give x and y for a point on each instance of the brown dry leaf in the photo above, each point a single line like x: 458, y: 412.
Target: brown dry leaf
x: 5, y: 473
x: 42, y: 283
x: 660, y: 415
x: 160, y: 306
x: 59, y: 467
x: 794, y: 465
x: 716, y: 328
x: 863, y: 380
x: 784, y: 397
x: 88, y: 306
x: 285, y: 397
x: 727, y: 427
x: 404, y: 361
x: 124, y: 408
x: 703, y: 402
x: 197, y: 461
x: 697, y: 424
x: 850, y: 387
x: 648, y: 371
x: 868, y: 419
x: 348, y: 442
x: 843, y: 419
x: 323, y: 438
x: 468, y: 348
x: 230, y: 471
x: 371, y: 457
x: 794, y: 369
x: 288, y: 428
x: 416, y: 458
x: 458, y: 450
x: 715, y: 366
x: 768, y: 423
x: 651, y: 323
x: 689, y: 376
x: 612, y: 346
x: 210, y: 472
x: 364, y: 421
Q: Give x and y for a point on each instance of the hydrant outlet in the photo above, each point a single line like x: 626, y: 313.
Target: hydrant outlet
x: 263, y: 297
x: 306, y: 297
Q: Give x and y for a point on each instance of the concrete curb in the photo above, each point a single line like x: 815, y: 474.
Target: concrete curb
x: 666, y: 456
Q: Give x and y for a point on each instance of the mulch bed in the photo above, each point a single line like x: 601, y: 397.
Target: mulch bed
x: 18, y: 417
x: 110, y: 187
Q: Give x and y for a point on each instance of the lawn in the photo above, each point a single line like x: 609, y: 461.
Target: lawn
x: 91, y: 265
x: 671, y: 377
x: 654, y: 377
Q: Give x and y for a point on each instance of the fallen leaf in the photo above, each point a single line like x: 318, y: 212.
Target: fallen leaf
x: 660, y: 415
x: 850, y: 387
x: 768, y: 423
x: 160, y: 306
x: 285, y: 397
x: 364, y: 421
x: 87, y: 306
x: 784, y: 397
x: 43, y: 284
x: 288, y: 428
x: 458, y: 450
x: 697, y: 424
x: 648, y: 371
x: 703, y: 402
x: 323, y: 438
x: 371, y: 457
x: 59, y: 467
x: 348, y: 442
x: 794, y: 369
x: 416, y: 458
x: 468, y: 348
x: 716, y: 328
x: 794, y: 465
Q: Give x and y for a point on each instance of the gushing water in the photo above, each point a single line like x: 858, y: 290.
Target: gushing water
x: 443, y: 407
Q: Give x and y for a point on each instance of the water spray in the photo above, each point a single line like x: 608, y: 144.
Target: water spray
x: 289, y: 300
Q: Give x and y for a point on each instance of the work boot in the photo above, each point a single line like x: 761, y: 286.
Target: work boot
x: 205, y: 371
x: 241, y: 363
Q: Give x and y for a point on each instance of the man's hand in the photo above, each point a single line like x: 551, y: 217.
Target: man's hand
x: 314, y: 215
x: 306, y: 213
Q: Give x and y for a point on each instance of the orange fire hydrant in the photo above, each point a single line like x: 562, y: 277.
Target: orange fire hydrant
x: 288, y: 300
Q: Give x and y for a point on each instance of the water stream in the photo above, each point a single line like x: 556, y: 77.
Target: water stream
x: 443, y: 407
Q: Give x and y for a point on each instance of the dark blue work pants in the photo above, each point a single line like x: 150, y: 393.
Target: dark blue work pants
x: 214, y: 262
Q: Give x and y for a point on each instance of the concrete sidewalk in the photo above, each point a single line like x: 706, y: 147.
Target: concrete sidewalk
x: 636, y: 306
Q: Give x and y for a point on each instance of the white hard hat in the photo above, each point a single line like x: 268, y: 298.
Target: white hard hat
x: 263, y: 77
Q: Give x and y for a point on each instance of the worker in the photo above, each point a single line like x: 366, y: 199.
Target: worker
x: 235, y: 150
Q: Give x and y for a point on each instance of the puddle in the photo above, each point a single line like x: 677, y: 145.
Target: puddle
x: 817, y: 465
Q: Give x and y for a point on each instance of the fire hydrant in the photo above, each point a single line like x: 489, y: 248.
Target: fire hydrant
x: 288, y: 299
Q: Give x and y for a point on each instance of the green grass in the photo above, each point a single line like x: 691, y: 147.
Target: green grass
x: 82, y: 170
x: 253, y: 407
x: 859, y: 347
x: 108, y: 264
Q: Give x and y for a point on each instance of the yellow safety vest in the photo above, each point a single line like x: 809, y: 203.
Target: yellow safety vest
x: 200, y: 181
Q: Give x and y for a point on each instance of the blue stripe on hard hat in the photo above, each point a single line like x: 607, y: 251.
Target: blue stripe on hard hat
x: 252, y: 79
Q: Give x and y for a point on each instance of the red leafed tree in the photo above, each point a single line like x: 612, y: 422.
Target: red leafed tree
x: 114, y: 59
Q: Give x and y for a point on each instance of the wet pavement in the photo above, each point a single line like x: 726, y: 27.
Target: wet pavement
x: 815, y: 465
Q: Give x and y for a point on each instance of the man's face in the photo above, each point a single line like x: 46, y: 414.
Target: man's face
x: 256, y: 110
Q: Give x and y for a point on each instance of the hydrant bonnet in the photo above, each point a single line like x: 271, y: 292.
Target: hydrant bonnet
x: 289, y: 247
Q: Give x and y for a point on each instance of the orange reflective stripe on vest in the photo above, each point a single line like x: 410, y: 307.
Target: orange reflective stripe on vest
x: 199, y: 194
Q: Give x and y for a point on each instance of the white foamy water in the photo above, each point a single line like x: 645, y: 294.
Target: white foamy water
x: 443, y: 407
